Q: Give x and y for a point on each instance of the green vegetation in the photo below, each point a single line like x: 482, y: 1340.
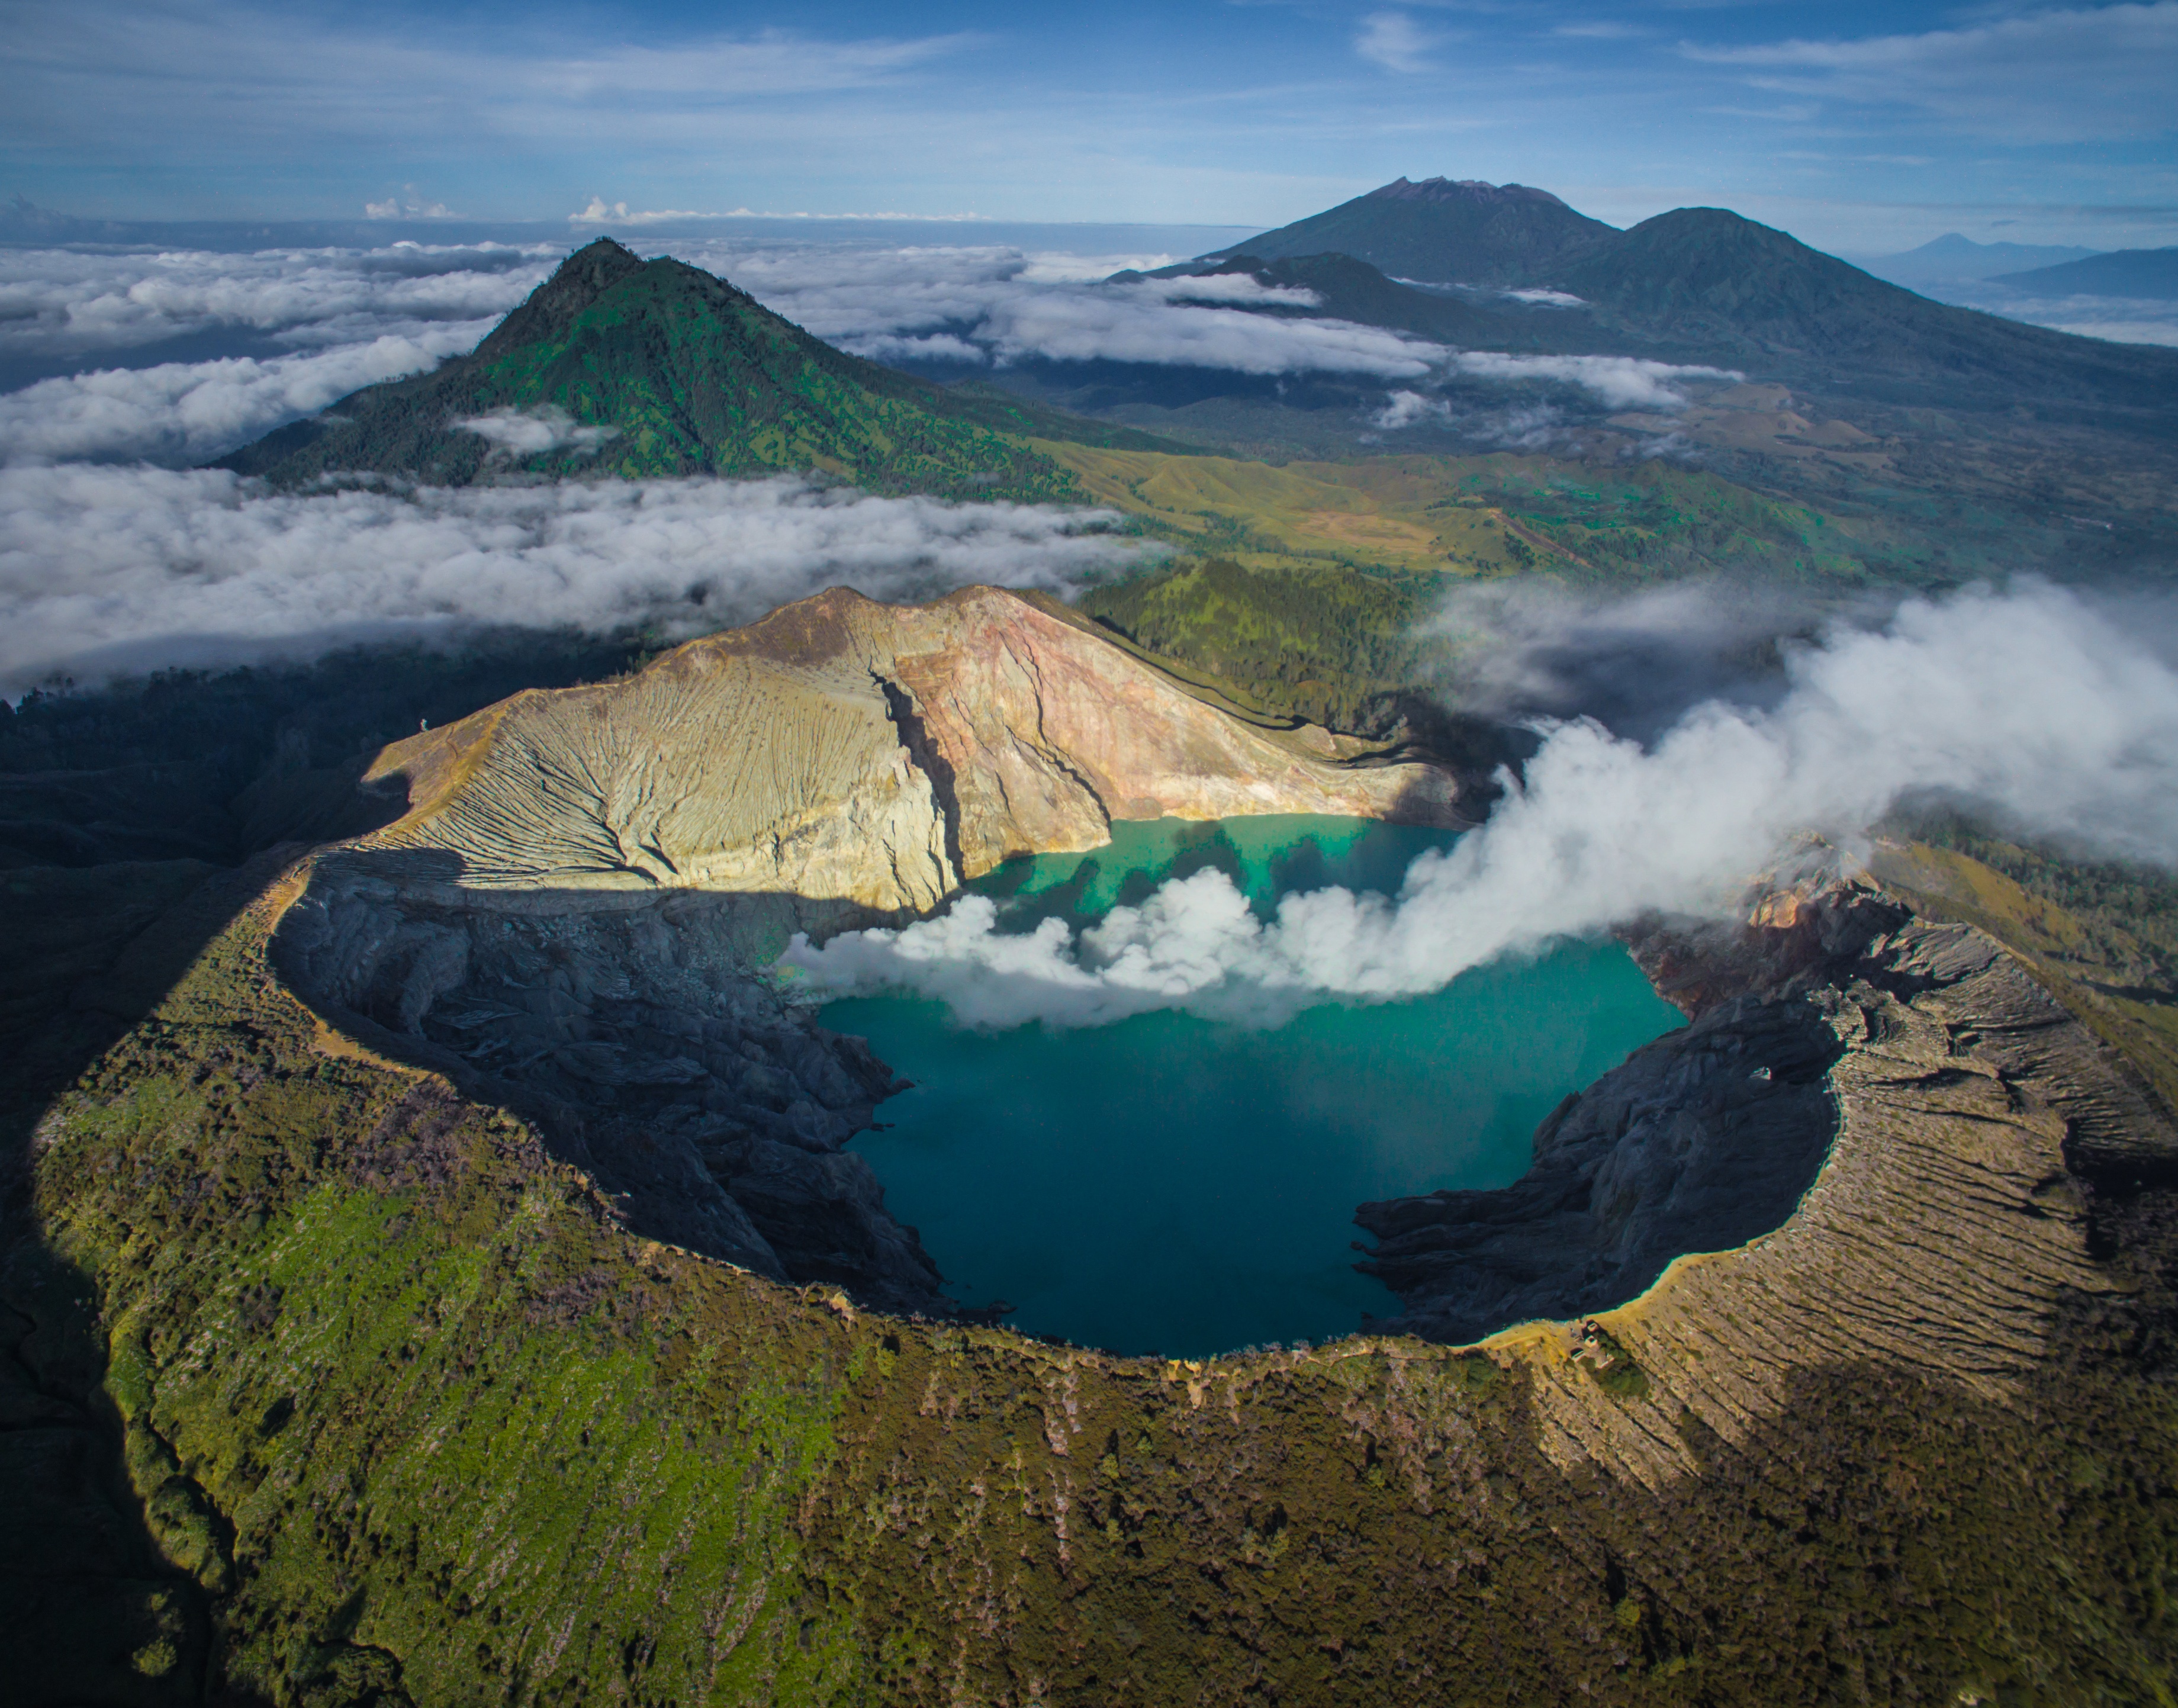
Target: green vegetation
x: 1612, y: 1368
x: 398, y: 1396
x: 1312, y: 588
x: 1321, y: 643
x: 672, y: 371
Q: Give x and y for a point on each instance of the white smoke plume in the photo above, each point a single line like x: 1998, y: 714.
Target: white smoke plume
x: 2034, y: 704
x: 105, y: 571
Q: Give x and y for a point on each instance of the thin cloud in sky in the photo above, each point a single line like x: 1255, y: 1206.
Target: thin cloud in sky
x: 1132, y: 110
x: 1395, y: 41
x: 268, y: 77
x: 2068, y: 74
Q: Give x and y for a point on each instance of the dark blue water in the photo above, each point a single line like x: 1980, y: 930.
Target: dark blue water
x: 1180, y: 1185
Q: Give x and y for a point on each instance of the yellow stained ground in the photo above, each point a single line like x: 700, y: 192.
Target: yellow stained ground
x: 1405, y: 511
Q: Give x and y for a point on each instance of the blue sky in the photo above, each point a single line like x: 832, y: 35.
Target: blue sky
x: 1861, y: 127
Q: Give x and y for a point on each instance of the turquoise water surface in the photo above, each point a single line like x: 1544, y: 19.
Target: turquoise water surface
x: 1180, y: 1185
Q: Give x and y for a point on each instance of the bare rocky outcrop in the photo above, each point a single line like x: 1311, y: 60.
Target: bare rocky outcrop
x: 1893, y: 1135
x: 845, y: 751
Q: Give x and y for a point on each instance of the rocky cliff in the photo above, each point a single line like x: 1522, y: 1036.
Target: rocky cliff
x: 1894, y: 1135
x: 573, y: 915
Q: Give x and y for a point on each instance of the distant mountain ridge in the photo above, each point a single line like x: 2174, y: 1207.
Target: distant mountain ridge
x: 621, y: 366
x: 2152, y: 273
x: 1953, y: 257
x: 1709, y: 286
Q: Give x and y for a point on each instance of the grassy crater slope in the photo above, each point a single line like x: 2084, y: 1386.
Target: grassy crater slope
x: 638, y: 368
x: 407, y: 1416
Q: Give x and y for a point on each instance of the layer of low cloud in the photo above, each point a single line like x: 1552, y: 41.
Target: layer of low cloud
x: 2015, y: 77
x: 525, y: 433
x: 2121, y: 319
x: 358, y: 316
x: 1000, y: 306
x: 60, y: 303
x: 105, y: 571
x: 2034, y: 705
x: 180, y: 412
x: 1619, y: 382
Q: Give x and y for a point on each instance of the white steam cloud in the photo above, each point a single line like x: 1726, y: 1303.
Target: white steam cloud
x: 2032, y: 703
x: 105, y: 571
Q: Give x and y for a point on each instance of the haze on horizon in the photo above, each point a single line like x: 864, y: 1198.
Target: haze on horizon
x: 1861, y: 128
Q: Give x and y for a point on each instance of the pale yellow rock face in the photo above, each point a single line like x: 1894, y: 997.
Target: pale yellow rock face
x: 843, y: 750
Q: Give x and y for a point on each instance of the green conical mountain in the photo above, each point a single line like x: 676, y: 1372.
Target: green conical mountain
x: 621, y: 366
x: 1442, y: 231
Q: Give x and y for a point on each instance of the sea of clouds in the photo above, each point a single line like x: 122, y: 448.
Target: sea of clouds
x: 304, y: 327
x: 2056, y: 716
x: 111, y: 570
x: 131, y: 368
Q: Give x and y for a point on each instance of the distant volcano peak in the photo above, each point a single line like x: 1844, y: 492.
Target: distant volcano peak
x: 1448, y: 230
x: 1462, y: 190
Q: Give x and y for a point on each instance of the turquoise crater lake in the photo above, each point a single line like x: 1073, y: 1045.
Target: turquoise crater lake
x: 1186, y: 1186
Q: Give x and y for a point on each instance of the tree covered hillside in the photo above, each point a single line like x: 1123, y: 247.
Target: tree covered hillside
x: 623, y: 367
